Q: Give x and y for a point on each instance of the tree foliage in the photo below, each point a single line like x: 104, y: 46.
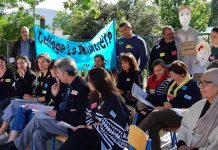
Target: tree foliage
x: 213, y: 21
x: 169, y: 12
x: 90, y: 18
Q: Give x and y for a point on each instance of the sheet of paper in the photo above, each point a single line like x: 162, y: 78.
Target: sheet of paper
x: 179, y: 111
x: 39, y: 107
x: 139, y: 94
x: 137, y: 91
x: 66, y: 125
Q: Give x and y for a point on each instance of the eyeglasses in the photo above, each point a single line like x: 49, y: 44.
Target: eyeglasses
x: 203, y: 83
x: 23, y: 31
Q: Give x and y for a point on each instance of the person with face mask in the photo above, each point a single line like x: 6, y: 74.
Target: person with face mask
x: 186, y: 36
x: 165, y: 48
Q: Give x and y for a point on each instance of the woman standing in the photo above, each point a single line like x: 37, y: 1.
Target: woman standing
x: 106, y: 118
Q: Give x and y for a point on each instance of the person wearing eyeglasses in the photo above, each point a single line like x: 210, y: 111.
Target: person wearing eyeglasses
x: 182, y: 93
x: 25, y: 46
x: 199, y: 125
x: 164, y: 49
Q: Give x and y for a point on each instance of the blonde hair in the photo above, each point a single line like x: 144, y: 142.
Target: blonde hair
x: 181, y: 7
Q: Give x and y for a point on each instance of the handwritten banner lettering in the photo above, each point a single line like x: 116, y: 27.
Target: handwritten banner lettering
x: 83, y: 52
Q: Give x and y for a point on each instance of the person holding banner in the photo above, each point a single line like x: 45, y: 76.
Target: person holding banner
x: 24, y: 46
x: 130, y: 43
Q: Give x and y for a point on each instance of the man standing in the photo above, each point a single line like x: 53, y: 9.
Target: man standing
x: 24, y: 46
x: 165, y: 49
x: 133, y: 44
x: 71, y: 110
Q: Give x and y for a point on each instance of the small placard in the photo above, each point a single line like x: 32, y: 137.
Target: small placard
x: 188, y: 49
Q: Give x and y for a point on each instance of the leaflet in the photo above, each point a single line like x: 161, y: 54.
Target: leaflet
x: 39, y: 107
x: 141, y: 95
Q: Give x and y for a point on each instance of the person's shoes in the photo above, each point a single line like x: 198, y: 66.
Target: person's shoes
x: 8, y: 146
x: 4, y: 137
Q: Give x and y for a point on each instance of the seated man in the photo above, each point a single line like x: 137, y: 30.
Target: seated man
x: 71, y: 110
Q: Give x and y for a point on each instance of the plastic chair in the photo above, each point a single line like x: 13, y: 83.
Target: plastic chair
x: 59, y: 138
x: 138, y: 139
x: 172, y: 135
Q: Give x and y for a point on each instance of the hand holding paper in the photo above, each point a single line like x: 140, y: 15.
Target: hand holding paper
x: 139, y: 94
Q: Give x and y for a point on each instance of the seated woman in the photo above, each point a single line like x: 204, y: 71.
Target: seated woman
x: 24, y: 84
x: 199, y: 125
x: 6, y: 79
x: 156, y: 88
x: 24, y: 114
x: 129, y: 74
x: 43, y: 89
x: 183, y: 92
x: 107, y: 117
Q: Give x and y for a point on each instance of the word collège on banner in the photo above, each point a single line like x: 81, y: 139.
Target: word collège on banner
x: 83, y: 52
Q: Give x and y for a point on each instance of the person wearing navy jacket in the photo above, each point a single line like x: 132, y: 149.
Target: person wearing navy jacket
x: 107, y: 117
x: 130, y: 43
x: 182, y: 93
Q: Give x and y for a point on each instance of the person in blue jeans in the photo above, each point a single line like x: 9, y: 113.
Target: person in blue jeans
x: 25, y: 114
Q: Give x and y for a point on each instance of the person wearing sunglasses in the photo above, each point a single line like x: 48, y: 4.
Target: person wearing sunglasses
x: 199, y: 125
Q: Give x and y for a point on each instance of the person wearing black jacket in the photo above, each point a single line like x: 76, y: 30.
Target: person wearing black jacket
x: 107, y: 117
x: 165, y: 49
x: 25, y: 78
x: 25, y: 114
x: 44, y: 80
x: 71, y: 110
x: 6, y: 79
x: 24, y: 46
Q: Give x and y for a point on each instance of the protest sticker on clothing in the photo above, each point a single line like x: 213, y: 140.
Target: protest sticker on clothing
x: 83, y: 52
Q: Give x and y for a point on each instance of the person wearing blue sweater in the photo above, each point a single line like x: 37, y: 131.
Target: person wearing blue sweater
x: 130, y: 43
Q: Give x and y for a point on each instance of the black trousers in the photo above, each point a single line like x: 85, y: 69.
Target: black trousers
x: 158, y: 120
x: 3, y: 104
x: 83, y: 139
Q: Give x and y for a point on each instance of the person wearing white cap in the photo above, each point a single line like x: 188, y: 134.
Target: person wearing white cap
x: 199, y: 126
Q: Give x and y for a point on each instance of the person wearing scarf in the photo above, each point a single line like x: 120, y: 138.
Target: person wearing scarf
x: 182, y: 93
x: 199, y: 126
x: 156, y: 89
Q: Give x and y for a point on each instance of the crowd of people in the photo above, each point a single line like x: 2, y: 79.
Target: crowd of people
x: 98, y: 107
